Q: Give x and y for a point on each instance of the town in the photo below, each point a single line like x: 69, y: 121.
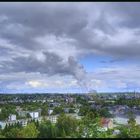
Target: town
x: 113, y: 110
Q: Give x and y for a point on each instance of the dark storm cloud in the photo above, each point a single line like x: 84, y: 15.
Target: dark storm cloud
x: 39, y: 19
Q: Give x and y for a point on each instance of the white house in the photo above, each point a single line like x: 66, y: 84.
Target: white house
x: 34, y: 115
x: 74, y: 115
x: 24, y: 123
x: 50, y: 111
x: 12, y: 117
x: 2, y: 124
x: 52, y: 118
x: 50, y: 100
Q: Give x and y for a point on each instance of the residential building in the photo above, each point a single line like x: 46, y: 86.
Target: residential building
x: 12, y: 117
x: 52, y: 118
x: 22, y: 113
x: 2, y: 124
x: 50, y: 111
x: 24, y: 123
x: 34, y: 114
x: 106, y: 123
x: 66, y: 110
x: 75, y: 115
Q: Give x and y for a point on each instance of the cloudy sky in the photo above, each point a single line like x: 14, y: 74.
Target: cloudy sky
x: 69, y: 47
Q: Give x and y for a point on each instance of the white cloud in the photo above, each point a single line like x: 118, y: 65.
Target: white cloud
x: 35, y: 84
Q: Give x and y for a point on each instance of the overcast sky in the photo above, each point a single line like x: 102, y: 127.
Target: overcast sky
x: 69, y: 47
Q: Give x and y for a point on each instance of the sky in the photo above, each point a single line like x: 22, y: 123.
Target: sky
x: 55, y: 47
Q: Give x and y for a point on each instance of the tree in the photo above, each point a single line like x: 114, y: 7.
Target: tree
x: 131, y: 117
x: 89, y: 126
x: 1, y: 136
x: 12, y: 133
x: 83, y: 110
x: 37, y: 124
x: 104, y: 112
x: 71, y: 110
x: 44, y: 111
x: 58, y: 110
x: 19, y: 125
x: 132, y: 130
x: 63, y: 133
x: 45, y: 130
x: 66, y: 124
x: 30, y: 131
x: 53, y: 131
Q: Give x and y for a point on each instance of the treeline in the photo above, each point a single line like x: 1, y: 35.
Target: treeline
x: 129, y: 102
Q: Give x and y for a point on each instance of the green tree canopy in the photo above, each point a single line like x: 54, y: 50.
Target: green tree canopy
x: 30, y: 131
x: 66, y: 125
x: 46, y: 130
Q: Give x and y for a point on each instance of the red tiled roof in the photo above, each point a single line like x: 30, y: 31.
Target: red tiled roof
x: 104, y: 121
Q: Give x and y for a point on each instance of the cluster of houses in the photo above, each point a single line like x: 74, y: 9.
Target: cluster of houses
x: 12, y: 119
x: 36, y: 115
x: 23, y: 118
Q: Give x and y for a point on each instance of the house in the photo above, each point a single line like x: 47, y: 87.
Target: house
x: 2, y: 124
x: 52, y: 118
x: 93, y: 106
x: 106, y: 123
x: 66, y: 100
x: 22, y: 113
x: 70, y: 100
x: 74, y: 115
x: 116, y: 132
x: 66, y: 110
x: 50, y: 111
x: 50, y: 100
x: 12, y: 117
x: 24, y: 123
x: 18, y: 108
x: 34, y: 114
x: 91, y: 101
x: 43, y: 101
